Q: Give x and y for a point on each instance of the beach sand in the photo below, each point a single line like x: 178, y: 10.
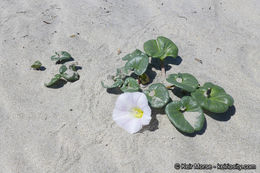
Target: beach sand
x: 70, y: 129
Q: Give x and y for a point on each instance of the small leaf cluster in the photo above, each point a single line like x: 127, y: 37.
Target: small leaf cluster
x: 61, y: 57
x: 186, y: 114
x: 66, y: 73
x: 137, y: 62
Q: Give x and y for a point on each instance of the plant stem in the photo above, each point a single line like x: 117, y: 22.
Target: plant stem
x: 162, y: 68
x: 139, y: 81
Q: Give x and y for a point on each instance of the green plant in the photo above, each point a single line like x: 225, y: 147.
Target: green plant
x: 213, y: 98
x: 161, y: 48
x: 185, y: 81
x: 36, y: 65
x: 136, y: 61
x: 61, y: 57
x: 157, y: 95
x: 186, y: 114
x: 64, y: 74
x: 68, y: 74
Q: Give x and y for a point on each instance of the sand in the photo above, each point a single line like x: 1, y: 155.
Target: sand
x: 70, y: 129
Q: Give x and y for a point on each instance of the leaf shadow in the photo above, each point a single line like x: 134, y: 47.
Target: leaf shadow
x: 115, y: 91
x: 179, y: 92
x: 42, y: 68
x: 66, y: 60
x: 78, y: 67
x: 152, y: 74
x: 154, y: 123
x: 60, y: 83
x: 167, y: 61
x: 222, y: 116
x: 174, y: 61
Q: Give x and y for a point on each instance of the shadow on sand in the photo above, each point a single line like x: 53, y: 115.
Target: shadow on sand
x: 167, y: 61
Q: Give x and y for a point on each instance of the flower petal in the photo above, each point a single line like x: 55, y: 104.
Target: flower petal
x: 123, y: 114
x: 133, y: 126
x: 146, y: 116
x: 135, y: 97
x: 142, y: 101
x: 121, y: 117
x: 119, y: 114
x: 124, y: 102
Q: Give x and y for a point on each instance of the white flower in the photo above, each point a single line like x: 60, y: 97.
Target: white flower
x: 132, y: 111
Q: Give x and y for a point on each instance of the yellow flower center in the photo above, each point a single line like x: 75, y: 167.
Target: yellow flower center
x: 138, y: 113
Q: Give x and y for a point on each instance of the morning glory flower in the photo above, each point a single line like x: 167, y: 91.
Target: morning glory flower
x: 132, y: 111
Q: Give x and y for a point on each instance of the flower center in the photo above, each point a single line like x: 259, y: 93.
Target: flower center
x: 137, y: 112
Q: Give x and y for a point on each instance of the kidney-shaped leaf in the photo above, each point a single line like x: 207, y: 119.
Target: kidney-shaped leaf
x: 186, y: 114
x: 184, y: 81
x: 213, y: 98
x: 54, y: 80
x: 130, y: 85
x: 61, y: 57
x: 137, y: 61
x: 161, y: 48
x: 157, y: 95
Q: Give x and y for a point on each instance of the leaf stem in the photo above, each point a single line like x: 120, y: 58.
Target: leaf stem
x: 139, y: 81
x: 163, y: 68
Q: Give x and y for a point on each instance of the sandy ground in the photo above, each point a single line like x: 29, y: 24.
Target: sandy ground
x: 38, y: 131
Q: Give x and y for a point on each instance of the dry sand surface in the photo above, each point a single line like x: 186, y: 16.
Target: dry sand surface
x: 70, y: 129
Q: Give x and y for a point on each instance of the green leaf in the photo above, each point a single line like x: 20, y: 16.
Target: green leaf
x: 157, y: 95
x: 213, y: 98
x: 36, y: 65
x: 132, y: 55
x: 62, y: 69
x: 61, y: 57
x: 73, y: 67
x: 121, y: 73
x: 70, y: 75
x: 161, y: 48
x: 186, y: 115
x: 184, y: 81
x: 54, y: 80
x: 137, y: 61
x: 117, y: 83
x: 130, y: 85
